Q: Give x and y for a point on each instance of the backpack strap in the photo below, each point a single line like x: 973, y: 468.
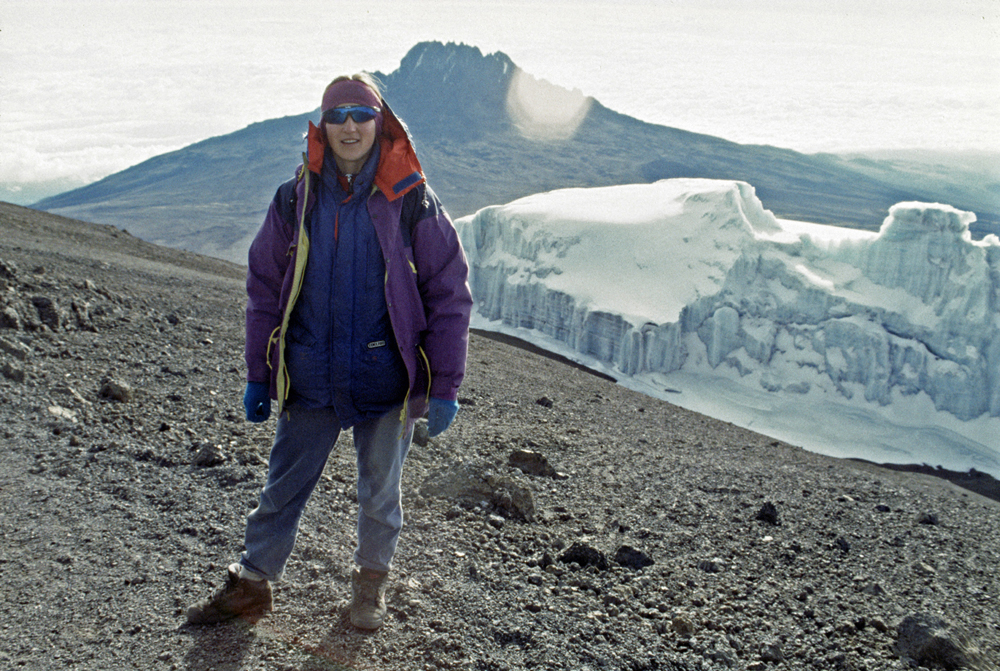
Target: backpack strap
x: 416, y: 206
x: 286, y: 198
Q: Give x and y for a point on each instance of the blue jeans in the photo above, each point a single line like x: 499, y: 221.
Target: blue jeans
x: 302, y: 444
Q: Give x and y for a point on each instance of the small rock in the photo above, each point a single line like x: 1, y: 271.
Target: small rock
x: 768, y: 513
x: 545, y: 402
x: 48, y: 311
x: 8, y: 270
x: 533, y: 463
x: 714, y: 565
x: 771, y: 652
x: 10, y: 319
x: 879, y: 625
x: 62, y: 413
x: 631, y: 558
x: 931, y: 641
x: 928, y: 518
x: 12, y: 372
x: 15, y: 349
x: 116, y: 390
x: 421, y: 436
x: 209, y: 455
x: 585, y: 555
x: 683, y: 624
x: 650, y: 613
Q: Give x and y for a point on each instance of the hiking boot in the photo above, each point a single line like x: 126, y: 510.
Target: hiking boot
x: 239, y: 597
x: 368, y: 598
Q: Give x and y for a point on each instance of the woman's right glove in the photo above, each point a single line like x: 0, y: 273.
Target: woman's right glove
x: 440, y: 414
x: 257, y: 401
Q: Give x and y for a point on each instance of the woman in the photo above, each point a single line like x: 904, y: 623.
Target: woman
x: 357, y: 317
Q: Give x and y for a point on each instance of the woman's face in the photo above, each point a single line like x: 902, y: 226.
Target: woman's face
x: 351, y: 143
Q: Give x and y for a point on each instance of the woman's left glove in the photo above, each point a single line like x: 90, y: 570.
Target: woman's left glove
x: 257, y: 401
x: 440, y: 415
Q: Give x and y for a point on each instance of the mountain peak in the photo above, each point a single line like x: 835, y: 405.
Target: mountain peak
x: 451, y: 86
x: 441, y: 61
x: 445, y: 57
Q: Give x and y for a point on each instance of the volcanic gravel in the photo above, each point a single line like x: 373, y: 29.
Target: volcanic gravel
x: 563, y: 522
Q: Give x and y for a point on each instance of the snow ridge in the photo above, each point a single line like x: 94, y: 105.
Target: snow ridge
x: 695, y: 275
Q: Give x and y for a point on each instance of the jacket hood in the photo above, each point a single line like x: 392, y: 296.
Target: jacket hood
x: 398, y: 167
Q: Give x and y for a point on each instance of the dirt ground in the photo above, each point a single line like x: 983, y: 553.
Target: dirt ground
x: 563, y: 522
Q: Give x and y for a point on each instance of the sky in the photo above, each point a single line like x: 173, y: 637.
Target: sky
x: 90, y: 87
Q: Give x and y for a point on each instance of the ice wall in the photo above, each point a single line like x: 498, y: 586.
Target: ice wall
x: 695, y: 275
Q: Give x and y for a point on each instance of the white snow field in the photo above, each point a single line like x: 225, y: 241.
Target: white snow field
x: 882, y: 346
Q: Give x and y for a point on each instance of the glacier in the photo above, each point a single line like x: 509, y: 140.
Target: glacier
x: 875, y: 345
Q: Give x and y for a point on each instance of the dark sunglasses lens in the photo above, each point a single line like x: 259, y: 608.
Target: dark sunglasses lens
x: 335, y: 116
x: 362, y: 114
x: 338, y: 115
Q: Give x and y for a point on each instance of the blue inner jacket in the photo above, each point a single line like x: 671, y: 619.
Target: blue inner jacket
x: 341, y: 351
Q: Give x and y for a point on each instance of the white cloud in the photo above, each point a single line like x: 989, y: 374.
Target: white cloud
x: 128, y: 77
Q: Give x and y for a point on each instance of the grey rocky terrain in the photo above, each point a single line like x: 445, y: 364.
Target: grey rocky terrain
x: 563, y: 522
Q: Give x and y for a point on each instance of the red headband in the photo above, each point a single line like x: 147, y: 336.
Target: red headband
x: 349, y: 91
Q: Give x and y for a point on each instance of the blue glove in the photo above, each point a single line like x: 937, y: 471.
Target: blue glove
x: 257, y: 401
x: 440, y: 414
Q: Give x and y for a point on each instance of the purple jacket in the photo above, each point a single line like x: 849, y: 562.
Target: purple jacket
x: 426, y: 281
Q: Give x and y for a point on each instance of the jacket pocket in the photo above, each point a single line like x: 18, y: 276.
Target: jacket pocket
x: 382, y: 378
x: 307, y: 363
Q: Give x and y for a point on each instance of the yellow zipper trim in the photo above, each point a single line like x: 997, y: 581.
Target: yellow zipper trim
x: 402, y: 414
x: 427, y: 364
x: 271, y: 340
x: 283, y: 381
x: 406, y: 399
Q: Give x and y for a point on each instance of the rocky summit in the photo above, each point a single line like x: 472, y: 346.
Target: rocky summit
x: 563, y: 522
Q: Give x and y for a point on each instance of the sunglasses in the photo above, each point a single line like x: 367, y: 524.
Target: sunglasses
x: 360, y: 114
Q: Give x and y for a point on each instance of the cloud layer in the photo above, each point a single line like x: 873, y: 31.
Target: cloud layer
x: 93, y: 86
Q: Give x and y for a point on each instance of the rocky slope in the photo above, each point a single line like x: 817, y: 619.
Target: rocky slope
x: 562, y: 523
